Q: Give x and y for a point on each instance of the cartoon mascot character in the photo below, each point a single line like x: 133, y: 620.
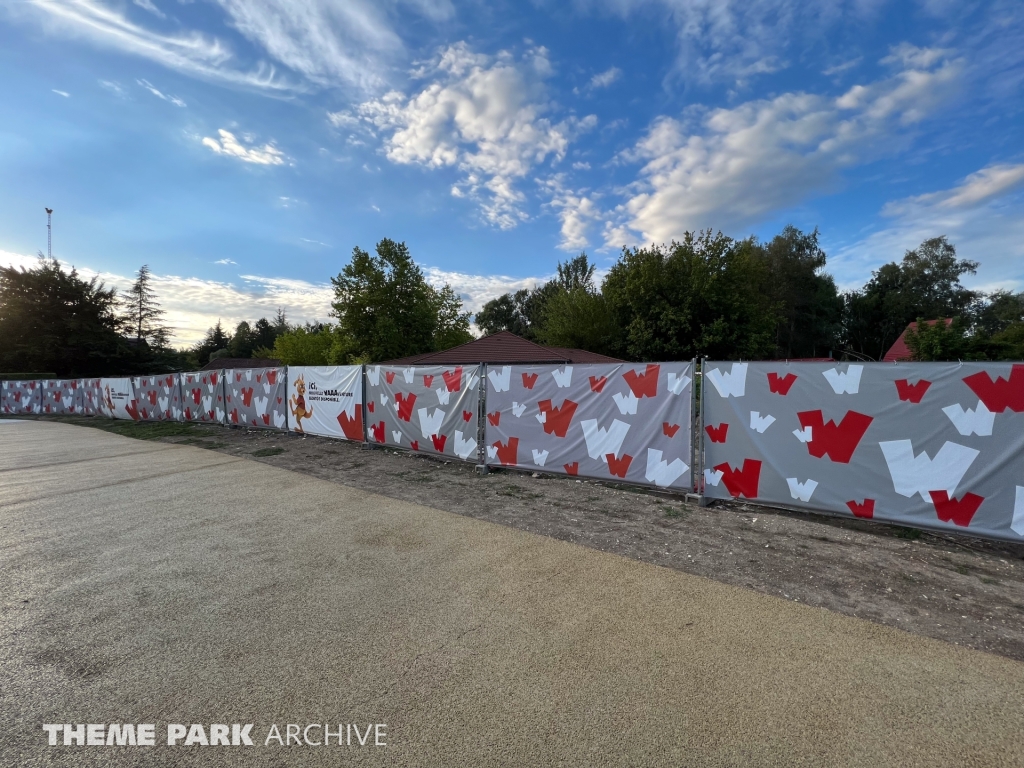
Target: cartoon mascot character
x: 298, y: 404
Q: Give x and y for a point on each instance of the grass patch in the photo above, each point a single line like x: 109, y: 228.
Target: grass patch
x: 268, y: 452
x: 907, y: 533
x: 677, y: 513
x: 961, y: 569
x: 988, y: 580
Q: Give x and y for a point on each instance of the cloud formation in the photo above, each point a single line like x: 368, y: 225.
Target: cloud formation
x: 983, y: 216
x: 480, y: 114
x: 729, y: 167
x: 230, y: 146
x: 172, y: 99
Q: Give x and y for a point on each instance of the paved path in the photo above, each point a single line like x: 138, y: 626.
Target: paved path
x: 150, y: 583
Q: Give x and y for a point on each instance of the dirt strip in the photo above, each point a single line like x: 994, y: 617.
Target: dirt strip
x: 962, y: 590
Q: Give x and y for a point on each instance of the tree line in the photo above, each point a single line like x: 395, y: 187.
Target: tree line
x: 708, y: 295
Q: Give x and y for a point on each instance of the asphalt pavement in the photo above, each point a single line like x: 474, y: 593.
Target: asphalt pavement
x: 148, y: 583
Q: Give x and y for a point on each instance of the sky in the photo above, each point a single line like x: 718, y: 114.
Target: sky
x: 243, y: 148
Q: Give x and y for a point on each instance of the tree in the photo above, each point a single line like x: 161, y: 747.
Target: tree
x: 142, y: 312
x: 311, y: 345
x: 242, y: 342
x: 52, y: 321
x: 386, y: 309
x: 936, y: 340
x: 810, y: 308
x: 925, y: 284
x: 215, y: 340
x: 700, y: 296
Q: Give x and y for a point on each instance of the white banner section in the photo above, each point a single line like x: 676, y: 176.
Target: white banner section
x: 326, y: 401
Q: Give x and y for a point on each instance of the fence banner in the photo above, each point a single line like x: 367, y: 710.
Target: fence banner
x: 20, y: 397
x: 431, y: 409
x: 255, y: 397
x: 931, y: 445
x: 159, y: 397
x: 202, y: 394
x: 117, y: 399
x: 88, y: 397
x: 326, y: 401
x: 58, y: 395
x: 620, y: 422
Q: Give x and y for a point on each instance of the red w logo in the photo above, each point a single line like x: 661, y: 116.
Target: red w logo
x: 453, y: 379
x: 196, y: 393
x: 669, y: 429
x: 247, y: 397
x: 780, y: 385
x: 597, y: 383
x: 390, y: 376
x: 717, y: 434
x: 439, y: 441
x: 643, y: 384
x: 865, y: 510
x: 152, y: 397
x: 427, y: 381
x: 405, y: 403
x: 1000, y: 394
x: 953, y: 511
x: 494, y: 418
x: 353, y: 428
x: 213, y: 379
x: 508, y: 454
x: 529, y: 379
x: 839, y: 441
x: 741, y: 481
x: 572, y: 469
x: 911, y: 393
x: 377, y: 431
x: 619, y: 467
x: 272, y: 377
x: 556, y: 420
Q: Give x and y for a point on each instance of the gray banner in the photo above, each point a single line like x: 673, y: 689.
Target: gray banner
x: 255, y: 397
x: 202, y: 395
x: 932, y: 445
x: 627, y: 422
x: 159, y: 397
x: 431, y: 409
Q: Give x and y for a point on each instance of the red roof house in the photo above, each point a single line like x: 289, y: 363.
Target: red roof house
x: 505, y: 348
x: 900, y: 352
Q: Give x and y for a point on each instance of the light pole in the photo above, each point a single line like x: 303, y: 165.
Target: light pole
x: 49, y: 233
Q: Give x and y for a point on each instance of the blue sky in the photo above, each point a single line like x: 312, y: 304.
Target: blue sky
x: 241, y: 148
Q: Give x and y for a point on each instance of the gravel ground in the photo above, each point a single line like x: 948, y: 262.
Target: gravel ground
x: 965, y: 591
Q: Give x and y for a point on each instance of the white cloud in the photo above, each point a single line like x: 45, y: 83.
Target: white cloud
x: 581, y: 166
x: 728, y: 168
x: 172, y: 99
x: 481, y: 115
x: 65, y: 94
x: 606, y: 78
x: 577, y: 211
x: 191, y: 52
x: 228, y: 145
x: 477, y: 290
x: 113, y: 87
x: 226, y: 261
x: 983, y: 216
x: 838, y: 69
x: 148, y: 5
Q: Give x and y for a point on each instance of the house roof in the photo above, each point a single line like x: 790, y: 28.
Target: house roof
x: 240, y: 362
x: 899, y: 351
x: 503, y: 347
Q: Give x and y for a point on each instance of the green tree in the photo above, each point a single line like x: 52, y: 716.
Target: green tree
x: 142, y: 313
x: 386, y: 309
x: 52, y: 321
x: 810, y: 308
x: 936, y: 340
x: 215, y: 340
x: 243, y: 341
x: 309, y: 345
x: 700, y: 296
x: 925, y: 284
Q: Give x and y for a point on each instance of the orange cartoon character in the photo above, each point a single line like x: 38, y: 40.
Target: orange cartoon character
x: 107, y: 401
x: 298, y: 404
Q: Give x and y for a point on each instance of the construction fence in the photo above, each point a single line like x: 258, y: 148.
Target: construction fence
x: 929, y: 445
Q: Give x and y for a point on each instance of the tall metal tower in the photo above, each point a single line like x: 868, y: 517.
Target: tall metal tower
x: 49, y: 234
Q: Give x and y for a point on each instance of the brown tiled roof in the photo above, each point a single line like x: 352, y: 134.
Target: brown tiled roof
x: 503, y: 347
x: 241, y: 362
x: 899, y: 351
